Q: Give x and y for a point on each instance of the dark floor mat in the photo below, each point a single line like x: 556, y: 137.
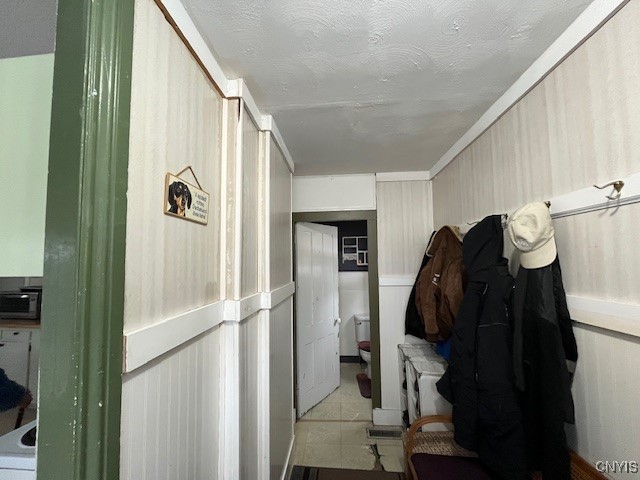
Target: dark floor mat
x: 364, y: 384
x: 314, y: 473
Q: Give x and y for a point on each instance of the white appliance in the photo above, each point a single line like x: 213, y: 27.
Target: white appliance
x: 407, y: 351
x: 17, y: 461
x: 422, y: 395
x: 363, y: 334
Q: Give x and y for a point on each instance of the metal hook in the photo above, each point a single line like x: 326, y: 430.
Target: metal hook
x: 617, y: 187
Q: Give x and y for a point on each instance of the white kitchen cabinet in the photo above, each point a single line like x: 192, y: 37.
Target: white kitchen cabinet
x: 14, y: 360
x: 20, y: 357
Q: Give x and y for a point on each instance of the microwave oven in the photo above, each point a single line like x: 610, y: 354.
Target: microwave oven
x: 20, y: 304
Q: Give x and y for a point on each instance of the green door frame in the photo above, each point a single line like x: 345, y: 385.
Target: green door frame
x: 371, y: 216
x: 83, y: 303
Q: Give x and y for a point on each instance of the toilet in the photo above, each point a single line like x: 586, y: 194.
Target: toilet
x: 363, y: 337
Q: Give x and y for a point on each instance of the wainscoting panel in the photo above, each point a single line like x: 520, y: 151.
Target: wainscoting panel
x: 251, y: 206
x: 170, y: 424
x: 250, y: 423
x: 280, y: 218
x: 281, y: 385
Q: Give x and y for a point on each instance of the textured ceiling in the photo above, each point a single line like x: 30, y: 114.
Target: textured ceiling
x: 361, y: 86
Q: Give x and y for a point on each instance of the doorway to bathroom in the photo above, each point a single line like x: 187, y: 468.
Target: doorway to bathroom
x: 348, y: 347
x: 334, y: 432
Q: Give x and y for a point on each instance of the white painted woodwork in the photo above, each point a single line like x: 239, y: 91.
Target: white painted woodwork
x: 606, y: 393
x: 576, y: 128
x: 280, y: 218
x: 232, y: 201
x: 172, y: 265
x: 144, y: 345
x: 250, y: 423
x: 614, y: 316
x: 281, y: 385
x: 326, y: 193
x: 402, y: 176
x: 353, y: 291
x: 318, y: 361
x: 14, y: 360
x: 405, y: 221
x: 251, y: 206
x: 393, y: 305
x: 170, y: 414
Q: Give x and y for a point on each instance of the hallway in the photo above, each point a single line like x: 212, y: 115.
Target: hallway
x: 334, y: 433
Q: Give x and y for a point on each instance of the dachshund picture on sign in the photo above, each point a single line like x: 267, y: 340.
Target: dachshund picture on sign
x: 179, y: 198
x: 184, y: 200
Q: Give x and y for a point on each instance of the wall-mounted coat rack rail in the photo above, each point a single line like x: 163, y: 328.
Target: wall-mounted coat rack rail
x: 619, y: 192
x: 605, y: 314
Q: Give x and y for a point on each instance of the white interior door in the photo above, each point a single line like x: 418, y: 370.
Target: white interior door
x: 317, y: 322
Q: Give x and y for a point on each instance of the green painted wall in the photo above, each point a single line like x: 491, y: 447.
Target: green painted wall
x: 25, y: 118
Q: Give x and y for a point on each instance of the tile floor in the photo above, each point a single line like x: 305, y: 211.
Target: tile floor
x: 333, y: 434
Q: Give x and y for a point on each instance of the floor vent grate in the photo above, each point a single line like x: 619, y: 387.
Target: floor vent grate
x: 384, y: 432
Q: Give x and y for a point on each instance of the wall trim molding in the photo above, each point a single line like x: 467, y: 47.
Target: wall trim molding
x: 148, y: 343
x: 270, y: 126
x: 285, y: 470
x: 591, y: 199
x: 280, y: 294
x: 605, y: 314
x: 387, y: 416
x: 397, y: 280
x: 181, y: 21
x: 143, y: 345
x: 403, y: 176
x: 589, y: 21
x: 178, y: 17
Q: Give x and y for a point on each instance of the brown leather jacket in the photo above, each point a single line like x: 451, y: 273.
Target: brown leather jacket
x: 440, y: 285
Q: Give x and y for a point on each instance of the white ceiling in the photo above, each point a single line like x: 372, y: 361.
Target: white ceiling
x: 359, y: 86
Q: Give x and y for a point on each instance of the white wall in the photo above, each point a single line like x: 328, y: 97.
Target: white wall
x: 326, y: 193
x: 25, y: 117
x: 280, y: 361
x: 405, y: 222
x: 170, y: 414
x: 576, y: 128
x: 171, y: 408
x: 208, y: 383
x: 353, y: 292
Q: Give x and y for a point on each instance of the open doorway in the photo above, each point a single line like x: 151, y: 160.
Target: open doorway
x: 336, y: 431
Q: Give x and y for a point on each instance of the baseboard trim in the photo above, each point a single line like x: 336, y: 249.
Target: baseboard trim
x: 387, y: 416
x: 287, y: 464
x: 349, y: 359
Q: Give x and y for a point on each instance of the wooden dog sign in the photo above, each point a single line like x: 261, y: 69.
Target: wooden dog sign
x: 184, y: 200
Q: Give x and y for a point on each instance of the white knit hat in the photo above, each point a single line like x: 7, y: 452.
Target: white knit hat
x: 531, y: 231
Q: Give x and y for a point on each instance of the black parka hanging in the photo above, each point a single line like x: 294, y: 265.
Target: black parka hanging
x: 545, y: 355
x: 479, y: 381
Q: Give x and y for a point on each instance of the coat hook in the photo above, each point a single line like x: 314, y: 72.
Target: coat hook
x: 617, y: 187
x: 548, y: 204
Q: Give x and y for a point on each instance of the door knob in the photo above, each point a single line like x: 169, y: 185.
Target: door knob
x: 337, y: 321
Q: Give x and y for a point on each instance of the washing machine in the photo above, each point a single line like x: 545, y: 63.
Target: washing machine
x: 17, y: 460
x: 407, y: 351
x: 423, y: 397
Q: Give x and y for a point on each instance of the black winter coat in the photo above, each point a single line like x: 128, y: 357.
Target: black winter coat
x: 545, y: 355
x: 479, y: 380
